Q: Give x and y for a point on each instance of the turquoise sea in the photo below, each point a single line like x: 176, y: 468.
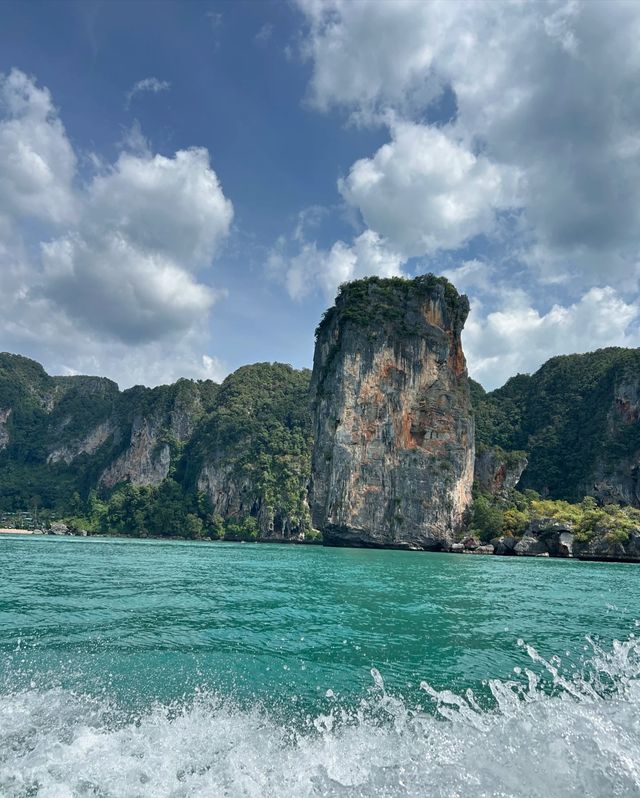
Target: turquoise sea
x: 148, y: 668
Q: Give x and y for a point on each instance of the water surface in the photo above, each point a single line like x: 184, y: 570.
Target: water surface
x: 151, y: 668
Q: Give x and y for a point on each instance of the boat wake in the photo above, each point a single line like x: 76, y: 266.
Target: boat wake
x: 549, y: 731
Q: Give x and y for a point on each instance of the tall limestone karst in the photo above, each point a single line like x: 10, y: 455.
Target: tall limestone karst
x: 393, y: 456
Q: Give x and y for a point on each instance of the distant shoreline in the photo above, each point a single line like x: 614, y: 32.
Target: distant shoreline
x: 178, y: 538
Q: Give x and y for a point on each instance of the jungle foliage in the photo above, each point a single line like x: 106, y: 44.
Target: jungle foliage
x: 256, y: 423
x: 563, y: 416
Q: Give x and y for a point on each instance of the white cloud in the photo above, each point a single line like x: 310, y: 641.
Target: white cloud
x: 107, y: 284
x: 311, y: 267
x: 148, y: 85
x: 548, y: 91
x: 425, y: 192
x: 265, y: 33
x: 518, y: 338
x: 37, y: 162
x: 371, y: 55
x: 471, y: 275
x: 170, y: 205
x: 151, y: 364
x: 133, y: 140
x: 117, y: 280
x: 146, y: 225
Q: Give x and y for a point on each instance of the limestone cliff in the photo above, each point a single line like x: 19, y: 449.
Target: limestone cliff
x: 578, y: 420
x: 161, y: 421
x: 496, y: 471
x: 4, y: 432
x: 252, y: 455
x: 617, y: 479
x: 238, y: 452
x: 61, y: 436
x: 394, y: 433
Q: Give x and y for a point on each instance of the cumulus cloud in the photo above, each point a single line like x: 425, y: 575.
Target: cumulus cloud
x: 425, y: 192
x: 37, y: 162
x: 152, y: 85
x: 547, y: 91
x: 122, y: 256
x: 310, y: 267
x: 146, y: 226
x: 171, y: 205
x: 106, y: 284
x: 518, y: 338
x: 516, y: 122
x: 371, y: 55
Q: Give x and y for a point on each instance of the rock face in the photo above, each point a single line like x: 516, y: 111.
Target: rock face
x: 235, y: 496
x: 90, y: 444
x: 252, y: 458
x: 158, y: 429
x: 4, y: 432
x: 546, y: 536
x: 497, y: 471
x: 504, y: 545
x: 529, y: 546
x: 608, y: 548
x: 58, y: 528
x: 393, y: 455
x: 618, y: 481
x: 145, y: 461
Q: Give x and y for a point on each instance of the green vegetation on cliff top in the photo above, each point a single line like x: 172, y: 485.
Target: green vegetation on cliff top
x: 377, y: 300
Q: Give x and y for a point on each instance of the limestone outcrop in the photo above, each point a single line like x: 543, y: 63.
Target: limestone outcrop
x: 608, y: 547
x: 617, y: 480
x: 4, y: 432
x: 252, y: 455
x: 393, y: 456
x: 497, y: 471
x: 578, y: 420
x: 156, y: 433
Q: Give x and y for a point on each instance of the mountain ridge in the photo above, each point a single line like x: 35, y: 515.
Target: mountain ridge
x: 235, y: 458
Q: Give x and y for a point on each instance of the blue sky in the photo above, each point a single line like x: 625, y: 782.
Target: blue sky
x: 184, y: 185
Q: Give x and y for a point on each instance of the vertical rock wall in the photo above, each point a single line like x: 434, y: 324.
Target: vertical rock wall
x: 394, y: 434
x: 616, y: 480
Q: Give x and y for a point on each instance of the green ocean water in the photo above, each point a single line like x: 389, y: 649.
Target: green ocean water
x: 132, y: 667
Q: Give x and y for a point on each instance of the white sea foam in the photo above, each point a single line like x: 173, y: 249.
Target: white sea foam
x: 546, y: 733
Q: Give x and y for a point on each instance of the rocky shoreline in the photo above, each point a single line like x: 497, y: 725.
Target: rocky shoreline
x: 543, y: 538
x: 547, y: 537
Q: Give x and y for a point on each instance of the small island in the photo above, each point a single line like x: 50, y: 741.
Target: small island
x: 386, y: 443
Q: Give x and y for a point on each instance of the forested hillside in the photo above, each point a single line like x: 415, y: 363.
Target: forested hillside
x: 189, y: 458
x: 234, y: 460
x: 577, y: 420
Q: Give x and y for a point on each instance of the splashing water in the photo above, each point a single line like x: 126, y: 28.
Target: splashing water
x: 546, y: 732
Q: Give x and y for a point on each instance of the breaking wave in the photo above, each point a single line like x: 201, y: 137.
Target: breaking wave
x: 551, y: 730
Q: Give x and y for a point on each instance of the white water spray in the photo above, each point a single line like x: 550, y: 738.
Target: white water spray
x: 544, y: 733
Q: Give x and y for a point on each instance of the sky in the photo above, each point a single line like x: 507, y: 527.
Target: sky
x: 184, y: 185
